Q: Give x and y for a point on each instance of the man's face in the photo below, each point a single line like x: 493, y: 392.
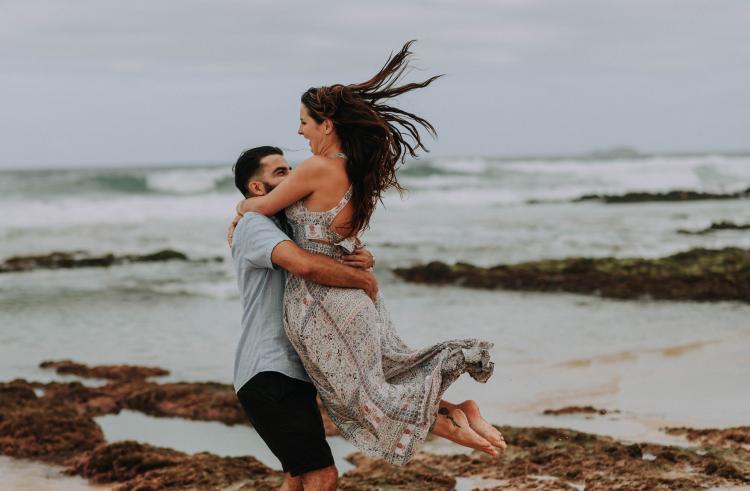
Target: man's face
x: 273, y: 170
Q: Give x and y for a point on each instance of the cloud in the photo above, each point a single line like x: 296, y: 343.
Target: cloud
x: 520, y: 73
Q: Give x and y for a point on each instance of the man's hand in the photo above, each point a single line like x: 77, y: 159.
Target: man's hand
x: 232, y: 226
x: 372, y: 287
x: 361, y: 258
x: 319, y: 268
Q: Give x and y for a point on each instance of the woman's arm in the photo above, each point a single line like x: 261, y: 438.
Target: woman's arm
x: 300, y: 184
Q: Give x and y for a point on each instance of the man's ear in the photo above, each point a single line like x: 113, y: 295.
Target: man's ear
x: 256, y: 188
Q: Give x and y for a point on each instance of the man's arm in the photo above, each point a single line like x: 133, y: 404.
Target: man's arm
x: 361, y: 258
x: 322, y: 269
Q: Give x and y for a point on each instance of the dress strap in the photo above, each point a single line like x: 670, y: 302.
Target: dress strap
x: 344, y: 200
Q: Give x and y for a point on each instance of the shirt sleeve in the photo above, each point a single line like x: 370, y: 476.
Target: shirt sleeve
x: 254, y: 240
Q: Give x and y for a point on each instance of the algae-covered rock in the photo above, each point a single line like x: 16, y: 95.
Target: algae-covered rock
x: 82, y: 259
x: 575, y: 410
x: 698, y: 274
x: 737, y: 437
x: 204, y: 401
x: 113, y: 372
x: 138, y: 466
x: 44, y: 429
x: 573, y: 459
x: 373, y: 474
x: 716, y: 226
x: 556, y: 459
x: 677, y: 195
x: 58, y: 427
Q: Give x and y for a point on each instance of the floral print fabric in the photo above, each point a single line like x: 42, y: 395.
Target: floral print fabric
x: 381, y: 394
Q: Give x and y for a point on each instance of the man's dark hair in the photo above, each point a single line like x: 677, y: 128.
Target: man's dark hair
x: 248, y: 165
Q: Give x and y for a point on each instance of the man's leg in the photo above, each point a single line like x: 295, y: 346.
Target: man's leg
x: 321, y: 480
x: 285, y: 414
x: 291, y: 483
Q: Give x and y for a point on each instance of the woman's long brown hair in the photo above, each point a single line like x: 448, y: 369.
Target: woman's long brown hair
x: 375, y: 136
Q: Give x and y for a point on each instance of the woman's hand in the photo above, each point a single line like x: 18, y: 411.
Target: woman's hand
x: 232, y: 226
x: 245, y: 206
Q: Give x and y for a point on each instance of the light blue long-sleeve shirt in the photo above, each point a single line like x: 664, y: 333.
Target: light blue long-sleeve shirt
x: 263, y: 345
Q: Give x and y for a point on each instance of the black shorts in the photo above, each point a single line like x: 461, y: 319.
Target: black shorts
x: 285, y: 414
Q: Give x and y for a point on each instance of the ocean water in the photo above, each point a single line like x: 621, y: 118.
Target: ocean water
x: 659, y: 363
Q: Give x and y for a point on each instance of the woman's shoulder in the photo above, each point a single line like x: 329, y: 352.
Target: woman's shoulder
x: 316, y: 161
x: 321, y: 166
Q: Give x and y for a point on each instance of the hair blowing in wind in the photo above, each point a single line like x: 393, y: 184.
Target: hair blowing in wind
x: 375, y: 135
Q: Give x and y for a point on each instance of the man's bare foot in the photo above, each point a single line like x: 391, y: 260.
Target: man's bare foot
x: 481, y: 426
x: 453, y: 425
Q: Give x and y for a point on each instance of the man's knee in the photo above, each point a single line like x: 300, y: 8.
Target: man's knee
x: 321, y: 480
x: 291, y: 483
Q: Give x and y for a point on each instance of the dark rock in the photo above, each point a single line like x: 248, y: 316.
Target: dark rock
x: 15, y: 394
x: 89, y: 401
x: 137, y: 466
x: 715, y: 226
x: 574, y: 410
x: 569, y: 458
x: 698, y: 274
x: 129, y: 389
x: 113, y: 372
x: 204, y: 401
x: 373, y: 474
x: 81, y: 259
x: 164, y: 255
x: 678, y: 195
x: 49, y: 430
x: 634, y: 451
x: 668, y: 456
x: 737, y: 437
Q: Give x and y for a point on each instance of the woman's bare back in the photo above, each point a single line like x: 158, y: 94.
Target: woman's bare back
x: 330, y: 191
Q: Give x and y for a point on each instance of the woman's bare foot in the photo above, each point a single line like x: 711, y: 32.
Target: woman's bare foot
x: 480, y: 425
x: 453, y: 425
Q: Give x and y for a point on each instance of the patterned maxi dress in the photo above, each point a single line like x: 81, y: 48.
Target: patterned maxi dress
x: 381, y: 394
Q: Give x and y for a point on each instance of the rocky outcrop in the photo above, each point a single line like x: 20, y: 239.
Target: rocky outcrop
x: 576, y: 410
x: 738, y: 437
x: 555, y: 459
x: 58, y: 427
x: 82, y: 259
x: 204, y: 401
x: 44, y: 429
x: 373, y: 474
x: 112, y: 372
x: 129, y: 389
x: 716, y: 226
x: 698, y: 274
x: 137, y: 466
x: 678, y: 195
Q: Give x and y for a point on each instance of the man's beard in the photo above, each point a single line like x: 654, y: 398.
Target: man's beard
x: 280, y: 215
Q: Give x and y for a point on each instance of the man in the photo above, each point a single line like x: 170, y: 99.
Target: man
x: 271, y: 384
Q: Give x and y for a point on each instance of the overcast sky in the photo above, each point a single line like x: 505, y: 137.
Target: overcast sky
x: 102, y: 82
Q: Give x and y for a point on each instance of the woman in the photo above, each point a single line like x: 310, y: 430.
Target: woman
x: 383, y: 396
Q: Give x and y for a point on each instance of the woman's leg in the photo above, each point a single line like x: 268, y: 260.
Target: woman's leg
x: 477, y: 423
x: 451, y: 423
